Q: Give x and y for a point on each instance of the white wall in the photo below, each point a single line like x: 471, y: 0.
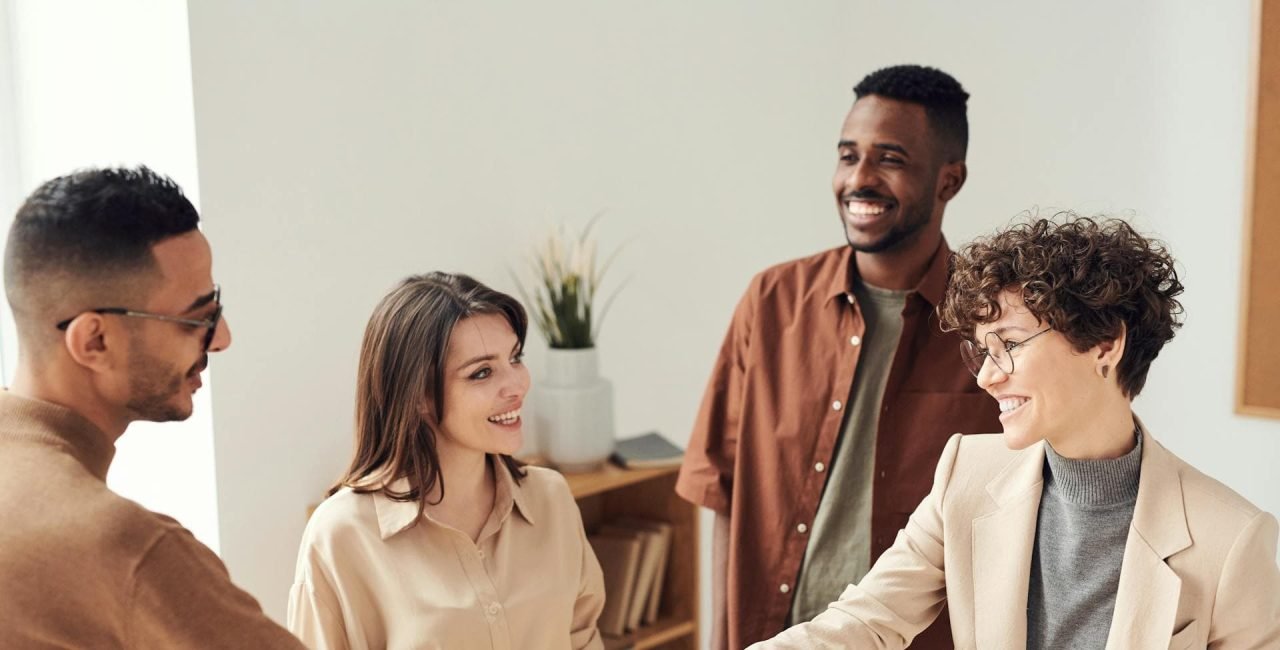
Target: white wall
x: 10, y: 185
x: 87, y: 83
x: 343, y: 145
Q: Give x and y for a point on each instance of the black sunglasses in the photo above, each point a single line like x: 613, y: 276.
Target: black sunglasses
x: 210, y: 323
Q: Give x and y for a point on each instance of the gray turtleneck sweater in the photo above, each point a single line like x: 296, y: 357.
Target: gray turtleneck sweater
x: 1085, y: 512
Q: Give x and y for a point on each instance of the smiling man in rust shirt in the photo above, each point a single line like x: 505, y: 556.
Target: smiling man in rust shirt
x: 835, y: 389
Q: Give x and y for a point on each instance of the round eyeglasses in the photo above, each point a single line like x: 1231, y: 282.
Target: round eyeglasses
x: 999, y: 350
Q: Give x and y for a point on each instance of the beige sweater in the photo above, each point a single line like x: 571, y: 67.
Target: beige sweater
x: 82, y: 567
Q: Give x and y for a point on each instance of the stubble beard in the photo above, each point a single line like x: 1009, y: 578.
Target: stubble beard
x: 152, y: 389
x: 901, y: 233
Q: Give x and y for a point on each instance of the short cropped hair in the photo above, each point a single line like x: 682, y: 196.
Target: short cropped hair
x: 943, y: 98
x: 1089, y: 279
x: 90, y: 228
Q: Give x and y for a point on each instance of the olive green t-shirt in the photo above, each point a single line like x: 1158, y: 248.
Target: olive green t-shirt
x: 839, y: 549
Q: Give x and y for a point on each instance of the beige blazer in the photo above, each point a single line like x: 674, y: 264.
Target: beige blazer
x: 1199, y: 566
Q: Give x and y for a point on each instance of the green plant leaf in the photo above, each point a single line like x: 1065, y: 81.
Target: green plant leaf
x: 567, y: 282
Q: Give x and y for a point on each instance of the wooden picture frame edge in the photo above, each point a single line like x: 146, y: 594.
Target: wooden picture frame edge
x: 1242, y: 407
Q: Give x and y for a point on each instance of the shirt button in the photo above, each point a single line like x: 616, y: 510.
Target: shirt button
x: 849, y: 298
x: 784, y: 588
x: 481, y: 554
x: 493, y: 609
x: 818, y: 467
x: 855, y: 339
x: 835, y: 406
x: 802, y: 528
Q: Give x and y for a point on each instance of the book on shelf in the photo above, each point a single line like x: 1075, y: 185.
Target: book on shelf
x: 659, y: 565
x: 649, y: 450
x: 642, y: 583
x: 619, y: 557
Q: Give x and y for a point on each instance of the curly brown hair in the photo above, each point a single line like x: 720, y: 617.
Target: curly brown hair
x: 1086, y: 278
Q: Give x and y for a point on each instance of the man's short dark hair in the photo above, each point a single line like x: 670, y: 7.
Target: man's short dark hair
x: 88, y: 229
x: 942, y: 97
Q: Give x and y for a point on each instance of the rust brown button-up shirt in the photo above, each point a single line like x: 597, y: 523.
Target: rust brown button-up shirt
x: 772, y: 412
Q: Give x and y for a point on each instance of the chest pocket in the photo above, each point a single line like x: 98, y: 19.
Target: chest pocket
x: 914, y: 430
x: 967, y: 412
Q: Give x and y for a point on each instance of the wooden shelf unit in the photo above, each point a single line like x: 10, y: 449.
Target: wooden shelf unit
x: 613, y: 492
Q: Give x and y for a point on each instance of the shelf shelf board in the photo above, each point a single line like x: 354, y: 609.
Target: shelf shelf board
x: 651, y: 636
x: 609, y: 477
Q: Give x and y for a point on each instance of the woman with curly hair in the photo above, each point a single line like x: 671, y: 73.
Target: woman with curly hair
x: 435, y: 537
x: 1075, y: 528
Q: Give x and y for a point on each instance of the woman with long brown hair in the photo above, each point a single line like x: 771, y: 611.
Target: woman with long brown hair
x: 436, y: 537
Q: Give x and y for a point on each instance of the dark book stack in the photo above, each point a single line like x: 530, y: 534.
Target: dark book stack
x: 646, y: 451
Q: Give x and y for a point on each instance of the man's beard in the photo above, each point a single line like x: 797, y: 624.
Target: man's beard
x: 904, y: 231
x: 152, y: 387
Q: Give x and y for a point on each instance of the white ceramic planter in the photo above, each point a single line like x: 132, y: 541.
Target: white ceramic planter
x: 574, y: 411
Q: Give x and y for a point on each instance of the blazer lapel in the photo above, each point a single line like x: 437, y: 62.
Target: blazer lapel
x: 1148, y: 594
x: 1002, y: 545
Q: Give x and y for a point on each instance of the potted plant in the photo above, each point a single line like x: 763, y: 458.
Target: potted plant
x: 574, y: 404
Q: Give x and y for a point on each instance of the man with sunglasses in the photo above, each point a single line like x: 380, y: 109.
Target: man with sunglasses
x: 112, y: 291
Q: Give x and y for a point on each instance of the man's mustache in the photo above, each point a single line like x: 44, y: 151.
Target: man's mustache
x: 200, y: 365
x: 865, y: 195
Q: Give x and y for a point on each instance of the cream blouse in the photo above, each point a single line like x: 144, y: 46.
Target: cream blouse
x: 368, y: 578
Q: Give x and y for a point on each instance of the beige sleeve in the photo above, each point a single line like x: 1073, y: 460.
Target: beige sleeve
x: 720, y: 583
x: 899, y: 598
x: 1246, y: 609
x: 182, y: 597
x: 590, y: 601
x: 315, y: 613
